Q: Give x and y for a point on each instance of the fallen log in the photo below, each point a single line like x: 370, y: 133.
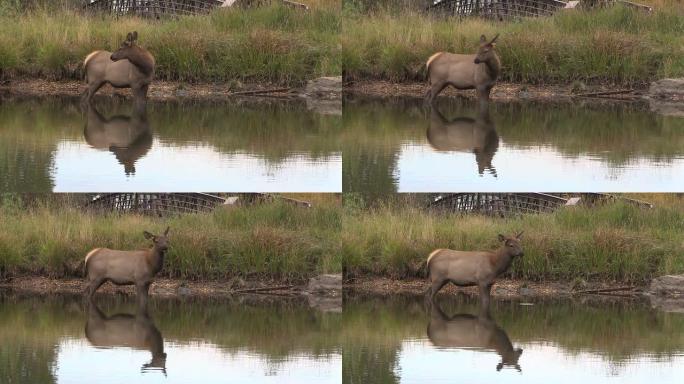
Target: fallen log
x: 259, y: 91
x: 263, y: 289
x: 604, y: 290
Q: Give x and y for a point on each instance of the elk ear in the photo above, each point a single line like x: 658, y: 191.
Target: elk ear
x: 148, y: 235
x: 135, y: 36
x: 502, y: 237
x: 129, y: 37
x: 519, y: 235
x: 483, y: 39
x: 494, y: 39
x: 167, y: 231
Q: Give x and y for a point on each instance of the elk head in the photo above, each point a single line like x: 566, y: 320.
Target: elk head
x: 486, y: 51
x: 512, y: 244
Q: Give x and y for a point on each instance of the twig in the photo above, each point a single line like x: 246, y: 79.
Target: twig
x: 604, y: 93
x: 604, y: 290
x: 263, y: 289
x: 258, y: 91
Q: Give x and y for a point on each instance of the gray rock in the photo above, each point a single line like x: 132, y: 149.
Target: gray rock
x: 666, y: 97
x: 325, y: 284
x: 667, y: 304
x: 326, y: 88
x: 667, y: 88
x: 325, y: 303
x: 667, y: 107
x: 667, y: 286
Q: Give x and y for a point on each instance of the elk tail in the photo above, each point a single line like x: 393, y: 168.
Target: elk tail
x: 427, y: 65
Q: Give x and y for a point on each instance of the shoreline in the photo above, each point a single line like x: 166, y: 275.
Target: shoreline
x: 163, y: 287
x: 502, y: 92
x: 502, y: 289
x: 160, y: 90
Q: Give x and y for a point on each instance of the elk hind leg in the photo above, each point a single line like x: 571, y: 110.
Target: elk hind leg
x: 435, y: 90
x: 436, y: 286
x: 93, y: 286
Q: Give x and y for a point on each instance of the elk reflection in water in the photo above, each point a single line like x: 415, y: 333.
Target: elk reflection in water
x: 129, y: 138
x: 136, y: 331
x: 466, y: 331
x: 465, y: 134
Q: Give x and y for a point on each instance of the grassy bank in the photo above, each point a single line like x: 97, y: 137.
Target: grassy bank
x: 275, y: 44
x: 617, y: 45
x: 269, y: 241
x: 616, y: 242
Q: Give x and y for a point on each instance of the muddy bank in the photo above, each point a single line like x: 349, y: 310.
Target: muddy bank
x: 174, y: 287
x: 502, y: 92
x: 504, y: 289
x: 326, y: 91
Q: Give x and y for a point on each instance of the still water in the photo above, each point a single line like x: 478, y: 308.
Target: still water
x: 239, y: 146
x: 395, y: 145
x: 396, y: 340
x: 56, y: 340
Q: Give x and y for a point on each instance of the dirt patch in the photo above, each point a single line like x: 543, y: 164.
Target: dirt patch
x: 501, y: 92
x: 160, y: 287
x: 505, y: 288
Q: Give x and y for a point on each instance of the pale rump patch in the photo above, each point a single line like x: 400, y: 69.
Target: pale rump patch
x: 432, y: 58
x: 436, y: 251
x: 91, y: 253
x: 90, y: 56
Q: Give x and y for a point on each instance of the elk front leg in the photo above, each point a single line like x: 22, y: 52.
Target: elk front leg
x: 483, y: 96
x: 142, y: 293
x: 140, y: 97
x: 485, y: 293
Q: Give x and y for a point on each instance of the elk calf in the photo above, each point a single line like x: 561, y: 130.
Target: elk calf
x: 131, y: 66
x: 466, y: 269
x: 478, y: 71
x: 127, y: 267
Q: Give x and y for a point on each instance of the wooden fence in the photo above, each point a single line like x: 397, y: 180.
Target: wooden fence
x: 165, y: 204
x: 515, y: 204
x: 153, y: 8
x: 497, y: 9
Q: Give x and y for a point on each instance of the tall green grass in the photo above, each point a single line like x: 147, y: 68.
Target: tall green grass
x: 615, y: 45
x: 274, y: 43
x: 618, y: 242
x: 270, y: 241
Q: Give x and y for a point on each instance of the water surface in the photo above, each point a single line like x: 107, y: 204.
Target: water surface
x: 56, y: 340
x: 396, y: 340
x: 395, y: 145
x: 52, y: 145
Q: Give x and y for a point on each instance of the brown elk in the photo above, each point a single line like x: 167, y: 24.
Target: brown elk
x: 127, y: 267
x: 465, y: 134
x: 131, y: 66
x: 466, y: 269
x: 126, y: 330
x: 129, y: 138
x: 472, y: 332
x: 479, y: 71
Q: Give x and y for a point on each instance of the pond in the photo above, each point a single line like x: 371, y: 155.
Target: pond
x: 396, y: 145
x: 55, y: 339
x: 396, y: 340
x: 52, y: 144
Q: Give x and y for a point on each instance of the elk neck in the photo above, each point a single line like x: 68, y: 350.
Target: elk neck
x: 502, y: 259
x: 493, y: 67
x: 142, y: 59
x: 155, y: 258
